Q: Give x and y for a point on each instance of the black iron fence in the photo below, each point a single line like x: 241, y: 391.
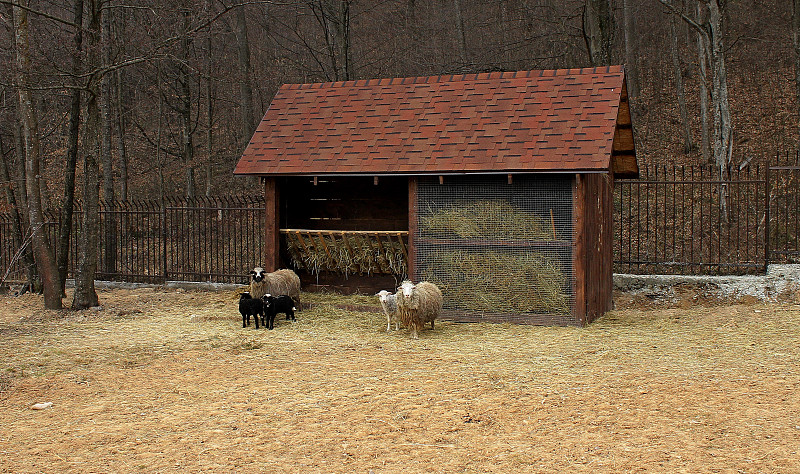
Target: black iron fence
x: 703, y: 220
x: 673, y: 219
x: 194, y: 239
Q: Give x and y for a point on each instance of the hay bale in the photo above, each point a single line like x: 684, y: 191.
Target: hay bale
x: 487, y: 220
x: 495, y: 282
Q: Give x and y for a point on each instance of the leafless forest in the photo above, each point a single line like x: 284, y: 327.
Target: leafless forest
x: 105, y: 99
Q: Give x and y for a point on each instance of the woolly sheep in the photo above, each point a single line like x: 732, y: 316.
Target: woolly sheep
x: 279, y: 282
x: 277, y: 304
x: 418, y: 304
x: 249, y: 306
x: 389, y: 305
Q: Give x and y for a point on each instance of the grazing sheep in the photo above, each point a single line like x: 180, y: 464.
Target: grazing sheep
x: 418, y: 304
x: 250, y: 306
x: 389, y: 305
x: 277, y: 304
x: 279, y: 282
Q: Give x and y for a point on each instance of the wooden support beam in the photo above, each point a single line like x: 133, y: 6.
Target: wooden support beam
x: 413, y: 217
x: 579, y: 250
x: 272, y: 235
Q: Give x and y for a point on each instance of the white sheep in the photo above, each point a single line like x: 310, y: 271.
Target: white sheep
x: 279, y: 282
x: 418, y: 304
x: 389, y: 305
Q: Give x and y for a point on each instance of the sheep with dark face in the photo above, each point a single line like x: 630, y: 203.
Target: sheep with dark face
x: 249, y: 306
x: 277, y: 304
x: 418, y: 304
x: 279, y: 282
x: 389, y: 305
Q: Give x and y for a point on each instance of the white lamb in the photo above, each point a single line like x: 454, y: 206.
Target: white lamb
x: 389, y: 305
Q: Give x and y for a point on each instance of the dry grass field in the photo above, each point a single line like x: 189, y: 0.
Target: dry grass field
x: 169, y: 381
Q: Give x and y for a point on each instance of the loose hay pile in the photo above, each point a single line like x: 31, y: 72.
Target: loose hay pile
x: 347, y: 252
x: 527, y: 283
x: 487, y: 220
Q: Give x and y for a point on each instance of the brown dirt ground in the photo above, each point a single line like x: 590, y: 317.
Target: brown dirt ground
x: 166, y: 381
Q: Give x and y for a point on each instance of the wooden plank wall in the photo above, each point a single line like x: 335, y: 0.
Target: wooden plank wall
x: 593, y: 255
x: 599, y: 248
x: 345, y: 203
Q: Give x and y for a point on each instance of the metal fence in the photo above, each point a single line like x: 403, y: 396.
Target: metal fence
x: 196, y: 239
x: 701, y: 220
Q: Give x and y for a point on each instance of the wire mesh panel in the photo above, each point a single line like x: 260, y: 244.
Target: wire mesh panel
x: 496, y: 247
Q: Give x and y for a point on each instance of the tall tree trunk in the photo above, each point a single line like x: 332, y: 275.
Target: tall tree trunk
x: 16, y: 220
x: 631, y: 65
x: 679, y: 89
x: 723, y: 130
x: 461, y: 38
x: 335, y: 18
x: 796, y: 41
x: 42, y: 252
x: 184, y: 79
x: 109, y: 231
x: 67, y: 209
x: 598, y: 31
x: 245, y: 87
x: 121, y: 150
x: 702, y: 59
x: 117, y: 30
x: 85, y: 295
x: 210, y: 109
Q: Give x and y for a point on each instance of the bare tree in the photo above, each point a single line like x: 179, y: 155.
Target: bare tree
x: 42, y: 251
x: 796, y: 41
x: 712, y: 35
x: 631, y: 66
x: 598, y: 31
x: 85, y: 295
x: 68, y: 205
x: 677, y: 69
x: 245, y: 87
x: 461, y: 39
x: 702, y: 59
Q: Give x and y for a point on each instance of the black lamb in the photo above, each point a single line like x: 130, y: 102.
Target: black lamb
x: 250, y: 306
x: 277, y: 304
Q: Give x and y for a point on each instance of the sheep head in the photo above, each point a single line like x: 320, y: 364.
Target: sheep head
x: 245, y: 296
x: 257, y: 274
x: 383, y: 295
x: 407, y: 288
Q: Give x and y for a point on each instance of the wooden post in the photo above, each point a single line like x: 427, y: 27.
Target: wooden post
x: 272, y: 234
x: 412, y: 227
x: 579, y: 249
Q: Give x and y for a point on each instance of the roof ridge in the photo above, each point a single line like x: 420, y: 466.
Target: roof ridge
x: 456, y: 77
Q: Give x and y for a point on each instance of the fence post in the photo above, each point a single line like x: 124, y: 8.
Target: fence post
x: 766, y: 216
x: 164, y: 238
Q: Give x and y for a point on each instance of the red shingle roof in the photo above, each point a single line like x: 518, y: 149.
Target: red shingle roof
x: 502, y: 121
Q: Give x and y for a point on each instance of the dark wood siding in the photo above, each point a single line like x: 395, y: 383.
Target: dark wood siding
x: 593, y: 249
x: 345, y: 203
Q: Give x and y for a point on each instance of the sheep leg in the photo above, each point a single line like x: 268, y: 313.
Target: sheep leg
x: 271, y: 321
x: 255, y: 319
x: 431, y: 324
x: 414, y: 331
x: 388, y: 323
x: 245, y: 320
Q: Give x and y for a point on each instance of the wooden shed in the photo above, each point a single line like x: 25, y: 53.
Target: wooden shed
x: 496, y: 186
